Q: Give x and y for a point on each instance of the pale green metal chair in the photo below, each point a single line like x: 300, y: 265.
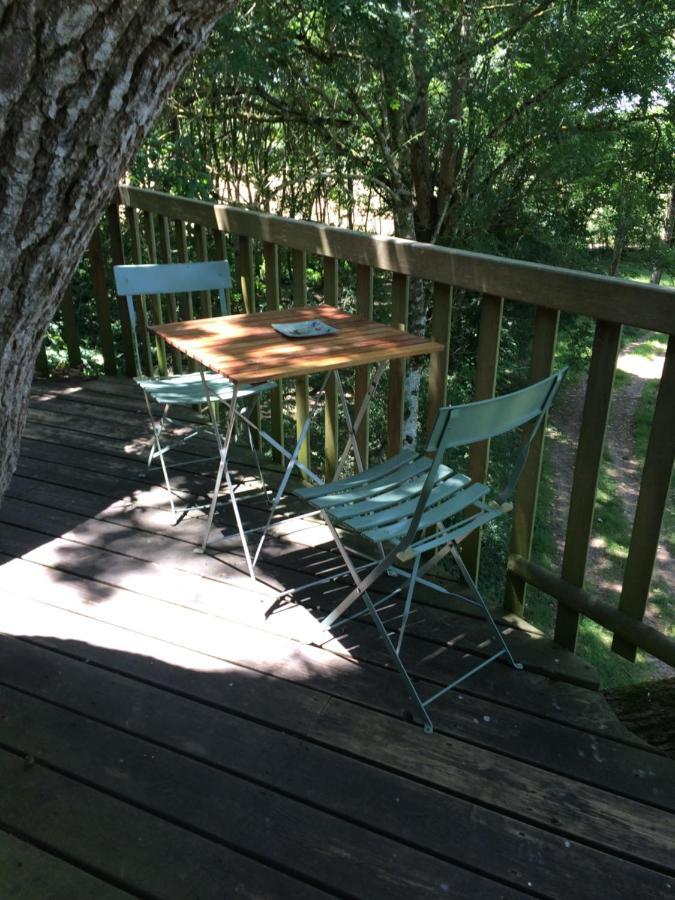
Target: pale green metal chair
x: 413, y: 506
x: 201, y: 389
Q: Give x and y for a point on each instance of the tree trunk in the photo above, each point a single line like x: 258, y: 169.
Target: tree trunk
x: 80, y: 85
x: 667, y: 236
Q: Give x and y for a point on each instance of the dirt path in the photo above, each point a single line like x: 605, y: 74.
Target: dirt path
x: 605, y: 568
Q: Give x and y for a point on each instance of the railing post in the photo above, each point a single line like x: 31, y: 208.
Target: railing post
x: 71, y: 333
x: 489, y: 336
x: 247, y: 273
x: 400, y: 295
x: 364, y: 307
x: 139, y: 302
x: 299, y: 263
x: 185, y: 304
x: 42, y: 363
x: 651, y: 504
x: 331, y: 432
x: 102, y: 301
x: 166, y: 257
x: 203, y: 253
x: 117, y: 254
x: 525, y: 505
x: 441, y: 319
x: 155, y: 300
x: 273, y: 294
x: 587, y: 470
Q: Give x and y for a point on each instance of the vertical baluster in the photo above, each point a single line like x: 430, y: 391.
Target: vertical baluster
x: 155, y: 299
x: 71, y: 334
x: 272, y: 288
x: 364, y: 307
x: 139, y: 302
x: 331, y: 432
x: 166, y: 257
x: 586, y: 470
x: 42, y: 363
x: 221, y: 244
x: 102, y: 302
x: 651, y: 504
x: 400, y: 294
x: 525, y: 505
x: 441, y: 319
x: 247, y: 273
x: 203, y: 253
x: 185, y: 305
x: 117, y: 255
x: 247, y: 285
x: 299, y: 264
x: 489, y: 336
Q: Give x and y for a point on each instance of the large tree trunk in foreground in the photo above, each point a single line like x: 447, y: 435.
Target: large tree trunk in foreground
x: 81, y: 82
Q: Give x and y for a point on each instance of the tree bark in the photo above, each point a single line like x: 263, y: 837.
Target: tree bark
x: 81, y: 82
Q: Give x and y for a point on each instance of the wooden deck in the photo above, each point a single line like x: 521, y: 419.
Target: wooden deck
x: 161, y: 737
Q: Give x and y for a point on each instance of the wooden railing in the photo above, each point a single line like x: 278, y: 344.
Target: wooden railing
x: 159, y: 227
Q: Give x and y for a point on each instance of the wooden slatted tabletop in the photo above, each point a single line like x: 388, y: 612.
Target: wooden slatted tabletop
x: 245, y: 348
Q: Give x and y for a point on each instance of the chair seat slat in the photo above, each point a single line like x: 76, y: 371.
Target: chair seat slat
x: 337, y: 488
x: 432, y: 516
x: 393, y: 505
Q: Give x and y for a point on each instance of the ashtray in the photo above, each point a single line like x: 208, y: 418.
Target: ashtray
x: 310, y: 328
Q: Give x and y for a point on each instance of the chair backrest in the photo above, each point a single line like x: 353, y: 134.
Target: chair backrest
x: 462, y: 425
x: 456, y: 426
x: 170, y: 278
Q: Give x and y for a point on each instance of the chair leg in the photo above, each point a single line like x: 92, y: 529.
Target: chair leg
x: 254, y: 450
x: 393, y: 652
x: 408, y: 602
x: 156, y: 431
x: 454, y: 550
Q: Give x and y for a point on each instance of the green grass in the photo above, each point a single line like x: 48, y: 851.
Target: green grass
x: 641, y: 429
x: 612, y: 527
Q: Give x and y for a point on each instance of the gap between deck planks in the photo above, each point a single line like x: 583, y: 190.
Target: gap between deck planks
x: 566, y: 665
x: 321, y: 776
x: 206, y: 597
x: 346, y: 716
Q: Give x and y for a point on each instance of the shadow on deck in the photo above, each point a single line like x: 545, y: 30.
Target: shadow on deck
x: 161, y: 737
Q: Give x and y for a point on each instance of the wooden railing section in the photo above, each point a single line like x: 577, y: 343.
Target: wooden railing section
x: 160, y: 227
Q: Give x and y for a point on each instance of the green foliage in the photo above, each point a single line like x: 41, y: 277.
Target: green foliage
x: 541, y: 131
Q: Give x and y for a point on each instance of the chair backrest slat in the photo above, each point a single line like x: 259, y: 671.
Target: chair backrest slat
x: 170, y: 278
x: 173, y: 278
x: 460, y: 425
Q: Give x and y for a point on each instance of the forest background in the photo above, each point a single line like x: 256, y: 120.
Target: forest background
x: 535, y: 130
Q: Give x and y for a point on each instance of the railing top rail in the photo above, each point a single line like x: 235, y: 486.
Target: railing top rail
x: 598, y: 296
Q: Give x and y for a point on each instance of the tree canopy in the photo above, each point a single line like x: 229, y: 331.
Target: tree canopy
x: 527, y: 128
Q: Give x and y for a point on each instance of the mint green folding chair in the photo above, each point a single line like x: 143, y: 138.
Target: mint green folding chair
x: 413, y: 506
x: 194, y: 388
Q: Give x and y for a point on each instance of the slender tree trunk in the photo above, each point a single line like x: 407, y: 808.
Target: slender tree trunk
x: 667, y: 236
x: 619, y: 246
x: 80, y: 85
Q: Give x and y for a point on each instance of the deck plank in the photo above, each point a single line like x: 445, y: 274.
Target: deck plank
x: 126, y: 844
x: 347, y: 787
x: 589, y: 758
x: 346, y: 858
x: 144, y: 682
x: 29, y: 873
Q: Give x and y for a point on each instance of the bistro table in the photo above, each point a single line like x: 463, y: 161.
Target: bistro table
x: 247, y: 349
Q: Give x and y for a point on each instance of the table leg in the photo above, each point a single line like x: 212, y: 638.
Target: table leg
x: 360, y: 413
x: 292, y: 462
x: 224, y: 446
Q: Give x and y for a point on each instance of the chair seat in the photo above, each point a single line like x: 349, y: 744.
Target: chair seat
x: 188, y: 390
x: 379, y: 503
